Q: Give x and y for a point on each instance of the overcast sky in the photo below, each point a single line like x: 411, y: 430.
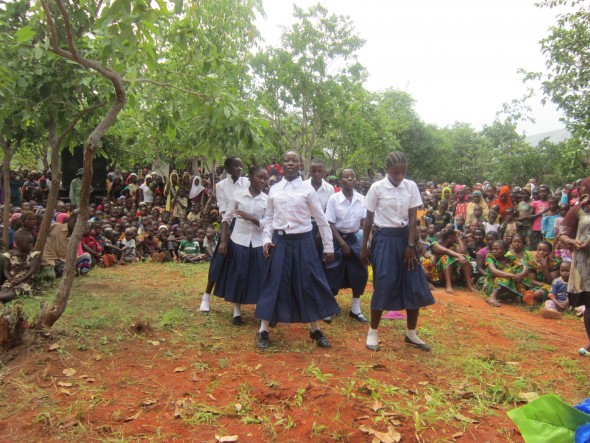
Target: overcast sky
x: 457, y: 58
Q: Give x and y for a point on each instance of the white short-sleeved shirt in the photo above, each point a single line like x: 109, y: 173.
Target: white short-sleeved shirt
x: 245, y: 232
x: 148, y: 194
x: 391, y: 205
x: 324, y: 192
x: 291, y: 204
x: 346, y: 215
x: 225, y: 191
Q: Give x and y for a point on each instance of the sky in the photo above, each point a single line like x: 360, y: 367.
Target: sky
x: 459, y: 59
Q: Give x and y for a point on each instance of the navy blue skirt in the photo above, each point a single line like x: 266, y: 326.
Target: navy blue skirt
x: 239, y: 276
x: 294, y: 287
x: 216, y: 262
x: 396, y: 288
x: 347, y: 272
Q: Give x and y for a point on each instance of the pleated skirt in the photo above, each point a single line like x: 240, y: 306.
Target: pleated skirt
x: 294, y: 287
x: 217, y: 259
x: 347, y: 272
x: 395, y: 287
x: 240, y: 274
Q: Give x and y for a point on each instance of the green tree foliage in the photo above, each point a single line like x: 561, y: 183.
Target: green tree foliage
x: 566, y: 81
x: 301, y: 83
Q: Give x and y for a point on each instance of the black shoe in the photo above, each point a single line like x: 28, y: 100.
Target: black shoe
x: 327, y: 320
x: 422, y: 346
x: 262, y: 340
x: 358, y: 317
x: 273, y: 324
x: 237, y: 321
x: 320, y: 338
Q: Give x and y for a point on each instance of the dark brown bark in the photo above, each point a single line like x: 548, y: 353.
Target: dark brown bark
x: 50, y: 312
x: 6, y: 185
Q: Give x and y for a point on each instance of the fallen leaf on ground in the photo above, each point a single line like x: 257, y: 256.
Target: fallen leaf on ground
x: 211, y: 397
x: 391, y: 436
x: 148, y: 401
x: 226, y: 438
x: 91, y: 380
x: 377, y: 405
x: 461, y: 417
x: 54, y: 346
x: 363, y: 417
x: 395, y: 422
x: 528, y: 396
x: 97, y: 357
x: 380, y: 367
x: 428, y: 397
x: 424, y: 383
x: 69, y: 423
x: 154, y: 342
x: 238, y: 407
x: 458, y: 435
x: 180, y: 369
x: 178, y: 406
x: 64, y: 391
x: 64, y: 384
x: 134, y: 416
x: 69, y: 372
x: 258, y: 366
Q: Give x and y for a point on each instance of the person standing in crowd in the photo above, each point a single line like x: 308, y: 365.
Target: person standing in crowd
x: 398, y: 278
x: 224, y: 191
x: 345, y: 213
x: 575, y: 233
x: 294, y: 286
x: 76, y: 188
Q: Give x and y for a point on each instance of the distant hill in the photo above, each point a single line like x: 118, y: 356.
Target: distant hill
x: 556, y: 136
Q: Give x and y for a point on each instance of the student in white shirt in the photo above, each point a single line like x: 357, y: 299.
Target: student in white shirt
x: 240, y: 277
x: 324, y: 190
x: 345, y: 213
x: 224, y: 191
x: 294, y: 287
x: 398, y: 278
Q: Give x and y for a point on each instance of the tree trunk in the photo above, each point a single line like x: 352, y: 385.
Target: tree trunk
x: 54, y: 191
x: 6, y: 185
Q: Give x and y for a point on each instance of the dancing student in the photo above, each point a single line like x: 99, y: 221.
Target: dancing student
x: 294, y: 287
x: 224, y: 192
x: 240, y: 274
x: 345, y: 213
x: 398, y: 278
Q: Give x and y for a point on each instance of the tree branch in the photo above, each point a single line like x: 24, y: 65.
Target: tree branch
x: 165, y: 85
x: 67, y: 27
x: 82, y: 113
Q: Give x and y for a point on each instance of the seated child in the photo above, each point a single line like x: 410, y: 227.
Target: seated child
x: 189, y: 251
x: 505, y: 274
x: 558, y: 299
x: 128, y: 254
x: 20, y: 264
x: 209, y: 243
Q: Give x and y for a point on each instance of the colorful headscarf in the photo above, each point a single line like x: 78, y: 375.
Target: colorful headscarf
x: 504, y: 191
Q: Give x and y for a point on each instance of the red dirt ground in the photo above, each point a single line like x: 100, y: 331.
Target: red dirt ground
x: 175, y: 391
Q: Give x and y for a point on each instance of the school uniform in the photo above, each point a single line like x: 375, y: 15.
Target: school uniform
x: 395, y: 286
x: 294, y: 286
x: 224, y: 191
x: 324, y: 192
x: 346, y: 272
x: 240, y: 274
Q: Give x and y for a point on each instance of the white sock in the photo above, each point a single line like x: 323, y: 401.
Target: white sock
x: 373, y: 337
x: 314, y: 326
x: 237, y: 311
x: 356, y: 306
x: 204, y: 302
x: 263, y: 325
x: 411, y: 333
